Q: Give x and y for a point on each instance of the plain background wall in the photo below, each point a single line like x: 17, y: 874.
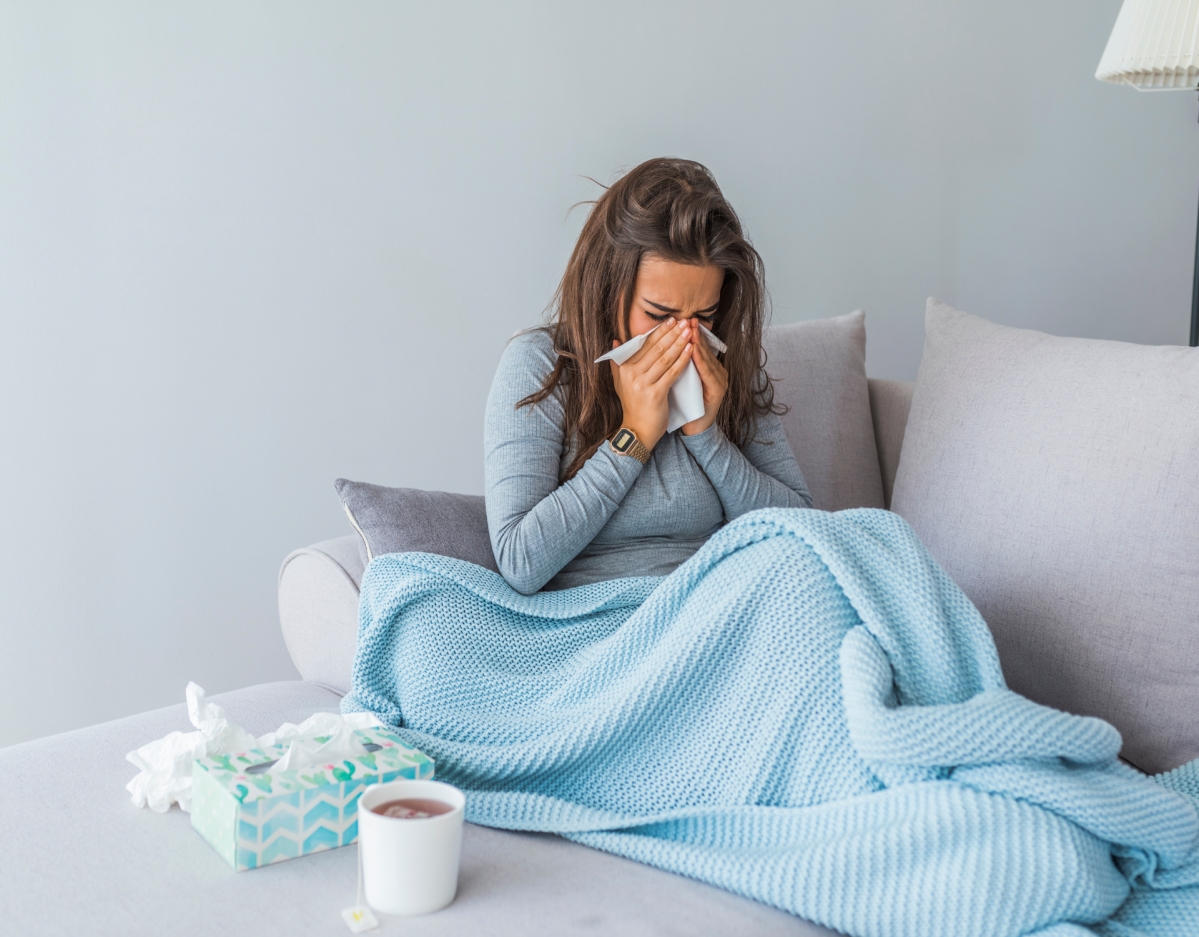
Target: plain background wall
x: 246, y: 248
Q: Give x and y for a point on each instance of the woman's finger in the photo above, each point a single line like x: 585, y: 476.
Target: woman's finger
x: 706, y: 354
x: 671, y: 374
x: 646, y: 352
x: 711, y: 372
x: 667, y: 345
x: 703, y: 365
x: 713, y: 357
x: 668, y: 357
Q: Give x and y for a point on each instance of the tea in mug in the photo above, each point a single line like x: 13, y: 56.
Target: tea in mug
x: 412, y: 808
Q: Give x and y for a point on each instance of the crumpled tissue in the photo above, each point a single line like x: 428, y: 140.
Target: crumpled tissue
x: 685, y: 400
x: 165, y: 766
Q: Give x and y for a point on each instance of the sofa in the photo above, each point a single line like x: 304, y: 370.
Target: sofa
x: 1055, y: 479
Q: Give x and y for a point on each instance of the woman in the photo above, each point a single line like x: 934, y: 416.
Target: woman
x: 798, y: 706
x: 662, y: 251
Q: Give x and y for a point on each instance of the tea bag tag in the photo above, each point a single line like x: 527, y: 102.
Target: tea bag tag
x: 359, y: 918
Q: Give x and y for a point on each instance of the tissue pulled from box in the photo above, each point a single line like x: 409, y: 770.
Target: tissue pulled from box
x: 685, y: 400
x: 165, y: 766
x: 319, y: 738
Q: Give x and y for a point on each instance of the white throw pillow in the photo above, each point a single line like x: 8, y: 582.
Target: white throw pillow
x: 1057, y: 481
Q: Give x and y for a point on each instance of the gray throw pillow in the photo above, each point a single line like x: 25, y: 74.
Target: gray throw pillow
x: 1057, y: 481
x: 399, y: 520
x: 821, y: 369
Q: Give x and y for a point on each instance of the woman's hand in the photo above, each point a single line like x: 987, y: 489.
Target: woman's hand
x: 644, y: 380
x: 714, y: 378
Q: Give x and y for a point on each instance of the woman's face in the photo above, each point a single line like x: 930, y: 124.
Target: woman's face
x: 666, y: 290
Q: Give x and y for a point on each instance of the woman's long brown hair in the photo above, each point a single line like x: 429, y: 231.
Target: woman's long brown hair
x: 673, y: 209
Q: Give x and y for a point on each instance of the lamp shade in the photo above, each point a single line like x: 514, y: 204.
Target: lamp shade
x: 1154, y: 46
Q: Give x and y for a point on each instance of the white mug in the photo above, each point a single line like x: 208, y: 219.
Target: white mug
x: 410, y: 866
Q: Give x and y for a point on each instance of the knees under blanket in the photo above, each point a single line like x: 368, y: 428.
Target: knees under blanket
x: 808, y: 712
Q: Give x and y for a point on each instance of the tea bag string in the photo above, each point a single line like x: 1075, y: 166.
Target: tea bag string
x: 359, y: 918
x: 360, y: 900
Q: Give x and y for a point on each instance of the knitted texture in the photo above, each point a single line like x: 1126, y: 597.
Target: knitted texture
x: 807, y: 712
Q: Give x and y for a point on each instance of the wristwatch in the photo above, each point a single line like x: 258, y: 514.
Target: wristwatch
x: 626, y: 443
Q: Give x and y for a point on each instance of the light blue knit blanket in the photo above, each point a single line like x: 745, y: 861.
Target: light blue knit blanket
x: 808, y: 712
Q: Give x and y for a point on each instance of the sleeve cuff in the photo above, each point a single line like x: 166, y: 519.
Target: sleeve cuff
x: 706, y: 444
x: 626, y: 466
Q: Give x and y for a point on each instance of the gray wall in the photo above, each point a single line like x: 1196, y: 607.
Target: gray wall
x: 247, y: 248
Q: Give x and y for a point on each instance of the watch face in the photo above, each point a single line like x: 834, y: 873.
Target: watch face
x: 622, y: 440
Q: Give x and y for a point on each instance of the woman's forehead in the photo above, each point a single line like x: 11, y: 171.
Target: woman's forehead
x: 676, y: 285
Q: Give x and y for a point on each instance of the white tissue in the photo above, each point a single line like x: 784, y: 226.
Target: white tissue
x: 685, y: 400
x: 165, y: 766
x: 305, y: 751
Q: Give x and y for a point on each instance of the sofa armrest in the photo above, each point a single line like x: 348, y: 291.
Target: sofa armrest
x: 890, y: 402
x: 318, y: 610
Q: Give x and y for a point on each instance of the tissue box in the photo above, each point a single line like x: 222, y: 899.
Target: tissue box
x: 253, y: 815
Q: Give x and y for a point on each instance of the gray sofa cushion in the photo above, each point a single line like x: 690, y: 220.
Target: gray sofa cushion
x: 398, y: 520
x: 81, y: 859
x: 821, y: 371
x: 1057, y: 481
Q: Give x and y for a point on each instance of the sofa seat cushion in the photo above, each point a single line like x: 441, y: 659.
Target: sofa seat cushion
x: 1057, y: 481
x: 79, y: 858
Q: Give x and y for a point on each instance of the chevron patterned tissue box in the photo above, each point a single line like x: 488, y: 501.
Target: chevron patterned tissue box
x: 253, y: 815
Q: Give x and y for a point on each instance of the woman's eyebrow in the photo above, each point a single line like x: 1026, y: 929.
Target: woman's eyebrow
x: 701, y: 312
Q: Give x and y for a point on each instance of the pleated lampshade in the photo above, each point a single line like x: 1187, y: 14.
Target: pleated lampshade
x: 1154, y: 46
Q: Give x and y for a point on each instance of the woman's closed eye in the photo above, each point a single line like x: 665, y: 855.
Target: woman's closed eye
x: 705, y: 318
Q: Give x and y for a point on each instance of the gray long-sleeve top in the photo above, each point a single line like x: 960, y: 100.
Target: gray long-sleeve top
x: 615, y: 518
